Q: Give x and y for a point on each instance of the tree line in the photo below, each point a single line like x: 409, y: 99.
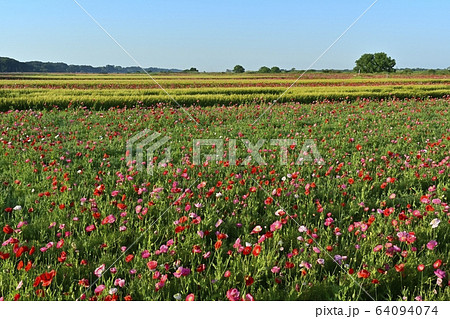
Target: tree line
x: 367, y: 63
x: 9, y: 65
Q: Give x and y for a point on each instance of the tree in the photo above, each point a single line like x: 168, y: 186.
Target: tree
x: 238, y: 69
x: 275, y: 69
x: 193, y: 69
x: 264, y: 69
x: 372, y: 63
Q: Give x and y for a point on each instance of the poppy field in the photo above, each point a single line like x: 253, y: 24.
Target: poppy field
x: 369, y: 220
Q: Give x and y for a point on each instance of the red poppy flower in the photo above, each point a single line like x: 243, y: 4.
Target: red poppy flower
x: 121, y: 206
x: 289, y: 265
x: 421, y: 267
x: 249, y: 280
x: 179, y: 229
x: 363, y: 273
x: 218, y: 244
x: 201, y: 268
x: 4, y: 256
x: 400, y: 268
x: 268, y: 201
x: 129, y: 258
x: 222, y: 236
x: 21, y: 250
x: 152, y: 264
x: 46, y: 278
x: 437, y: 264
x: 256, y: 250
x: 37, y: 281
x: 190, y: 297
x: 8, y: 230
x: 247, y: 250
x: 62, y: 257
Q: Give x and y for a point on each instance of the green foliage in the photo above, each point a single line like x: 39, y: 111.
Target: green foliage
x: 11, y: 65
x: 238, y: 69
x: 264, y: 69
x: 375, y: 63
x: 275, y: 69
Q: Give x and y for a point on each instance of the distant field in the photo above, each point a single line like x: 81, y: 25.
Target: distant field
x: 24, y: 91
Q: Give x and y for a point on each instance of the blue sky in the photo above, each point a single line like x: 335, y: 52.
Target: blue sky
x: 216, y: 35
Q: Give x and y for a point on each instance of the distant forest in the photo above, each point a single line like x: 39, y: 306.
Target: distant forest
x: 9, y: 65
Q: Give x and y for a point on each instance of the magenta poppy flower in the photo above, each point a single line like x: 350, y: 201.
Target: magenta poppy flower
x: 275, y: 269
x: 440, y: 273
x: 90, y: 228
x: 145, y: 254
x: 432, y: 244
x: 99, y: 289
x: 233, y: 294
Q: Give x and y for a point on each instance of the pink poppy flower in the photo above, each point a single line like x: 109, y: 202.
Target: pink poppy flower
x: 256, y: 230
x: 181, y: 272
x: 432, y: 244
x: 99, y: 289
x: 108, y: 219
x: 60, y: 243
x: 440, y: 273
x: 138, y: 209
x: 98, y: 271
x: 119, y: 282
x: 377, y: 248
x: 90, y: 228
x: 233, y: 294
x: 249, y: 297
x: 276, y: 225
